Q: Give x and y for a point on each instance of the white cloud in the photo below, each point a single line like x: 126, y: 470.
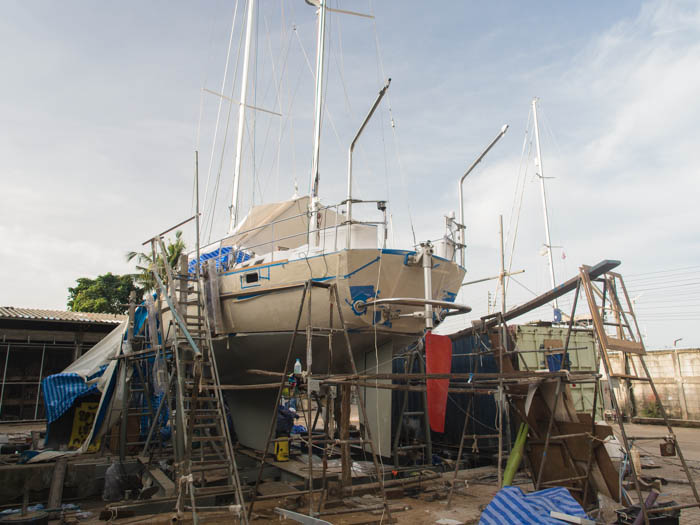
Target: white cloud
x: 98, y: 147
x: 626, y: 177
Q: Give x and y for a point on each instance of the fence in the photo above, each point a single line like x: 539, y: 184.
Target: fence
x: 676, y: 374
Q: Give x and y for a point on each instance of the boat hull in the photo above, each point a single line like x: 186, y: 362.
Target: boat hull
x: 259, y: 318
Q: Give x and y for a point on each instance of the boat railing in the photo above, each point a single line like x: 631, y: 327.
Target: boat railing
x: 339, y: 222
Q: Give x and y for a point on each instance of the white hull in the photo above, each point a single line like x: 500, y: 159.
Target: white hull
x: 259, y: 318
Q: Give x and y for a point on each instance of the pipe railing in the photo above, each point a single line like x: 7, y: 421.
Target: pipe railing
x: 461, y: 190
x: 381, y: 205
x: 352, y: 148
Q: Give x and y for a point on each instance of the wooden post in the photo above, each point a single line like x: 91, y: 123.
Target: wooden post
x: 124, y: 377
x: 56, y: 490
x: 346, y: 461
x: 78, y: 345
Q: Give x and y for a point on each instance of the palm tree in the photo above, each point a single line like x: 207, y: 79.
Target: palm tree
x: 145, y: 266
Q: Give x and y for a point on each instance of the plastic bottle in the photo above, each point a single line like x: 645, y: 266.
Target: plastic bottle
x: 297, y: 366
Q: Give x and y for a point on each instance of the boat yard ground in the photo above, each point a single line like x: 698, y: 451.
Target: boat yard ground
x: 427, y: 503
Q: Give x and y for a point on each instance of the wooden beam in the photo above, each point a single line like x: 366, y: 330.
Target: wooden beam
x: 593, y: 272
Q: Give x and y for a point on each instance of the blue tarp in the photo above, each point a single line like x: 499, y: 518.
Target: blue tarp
x: 61, y: 391
x: 511, y: 505
x: 222, y: 255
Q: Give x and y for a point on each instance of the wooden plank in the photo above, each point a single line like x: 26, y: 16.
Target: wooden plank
x: 164, y: 482
x: 623, y: 345
x: 269, y: 488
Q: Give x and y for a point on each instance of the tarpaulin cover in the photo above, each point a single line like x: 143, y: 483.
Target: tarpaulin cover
x: 61, y: 391
x: 438, y: 360
x: 222, y: 256
x: 95, y: 372
x: 512, y: 505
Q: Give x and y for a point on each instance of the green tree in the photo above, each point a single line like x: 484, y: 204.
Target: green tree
x: 145, y: 266
x: 107, y: 294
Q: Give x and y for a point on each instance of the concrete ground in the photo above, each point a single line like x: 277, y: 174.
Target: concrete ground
x: 428, y: 507
x: 669, y: 468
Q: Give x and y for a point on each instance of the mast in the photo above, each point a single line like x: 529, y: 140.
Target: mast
x: 241, y: 116
x: 318, y: 113
x: 540, y: 174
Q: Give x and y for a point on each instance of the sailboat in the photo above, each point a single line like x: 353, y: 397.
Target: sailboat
x: 389, y: 297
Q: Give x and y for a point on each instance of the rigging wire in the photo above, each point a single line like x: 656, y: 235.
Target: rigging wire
x: 282, y: 58
x: 212, y: 212
x: 221, y: 101
x: 522, y: 177
x: 397, y: 148
x: 325, y: 109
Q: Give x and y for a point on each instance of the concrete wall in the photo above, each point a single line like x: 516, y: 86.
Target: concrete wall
x: 676, y: 375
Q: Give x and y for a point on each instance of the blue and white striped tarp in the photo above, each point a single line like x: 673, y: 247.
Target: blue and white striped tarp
x: 223, y: 256
x: 61, y: 391
x: 511, y: 505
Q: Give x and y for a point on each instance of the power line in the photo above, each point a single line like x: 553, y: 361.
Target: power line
x: 637, y: 290
x: 662, y: 271
x: 666, y: 279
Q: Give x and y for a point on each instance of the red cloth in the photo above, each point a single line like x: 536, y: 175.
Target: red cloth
x: 438, y: 360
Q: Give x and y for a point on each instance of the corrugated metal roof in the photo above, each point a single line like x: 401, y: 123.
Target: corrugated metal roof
x: 36, y: 314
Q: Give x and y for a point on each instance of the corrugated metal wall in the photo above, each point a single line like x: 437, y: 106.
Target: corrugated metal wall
x: 484, y: 409
x: 465, y: 359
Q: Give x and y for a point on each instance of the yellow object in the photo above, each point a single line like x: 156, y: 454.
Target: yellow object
x: 282, y: 449
x: 82, y: 425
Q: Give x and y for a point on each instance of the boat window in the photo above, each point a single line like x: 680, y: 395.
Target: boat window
x: 251, y: 277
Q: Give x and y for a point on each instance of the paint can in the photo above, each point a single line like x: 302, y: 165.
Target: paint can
x: 282, y: 449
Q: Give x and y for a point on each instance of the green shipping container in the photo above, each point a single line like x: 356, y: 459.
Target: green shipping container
x: 530, y: 339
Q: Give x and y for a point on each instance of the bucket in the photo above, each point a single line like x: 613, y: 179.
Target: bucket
x: 282, y: 449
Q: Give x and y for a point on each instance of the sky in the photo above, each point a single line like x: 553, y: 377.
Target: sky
x: 102, y: 107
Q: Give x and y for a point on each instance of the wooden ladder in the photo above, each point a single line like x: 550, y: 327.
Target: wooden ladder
x: 202, y: 447
x: 616, y: 329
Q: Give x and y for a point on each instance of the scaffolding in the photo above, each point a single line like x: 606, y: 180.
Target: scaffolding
x: 565, y: 447
x: 177, y: 359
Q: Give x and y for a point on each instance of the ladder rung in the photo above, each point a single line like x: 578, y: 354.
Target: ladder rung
x: 623, y: 325
x: 411, y: 447
x: 205, y: 425
x: 208, y: 455
x: 630, y: 377
x: 200, y: 439
x: 199, y: 466
x: 413, y: 413
x: 480, y: 436
x: 223, y: 489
